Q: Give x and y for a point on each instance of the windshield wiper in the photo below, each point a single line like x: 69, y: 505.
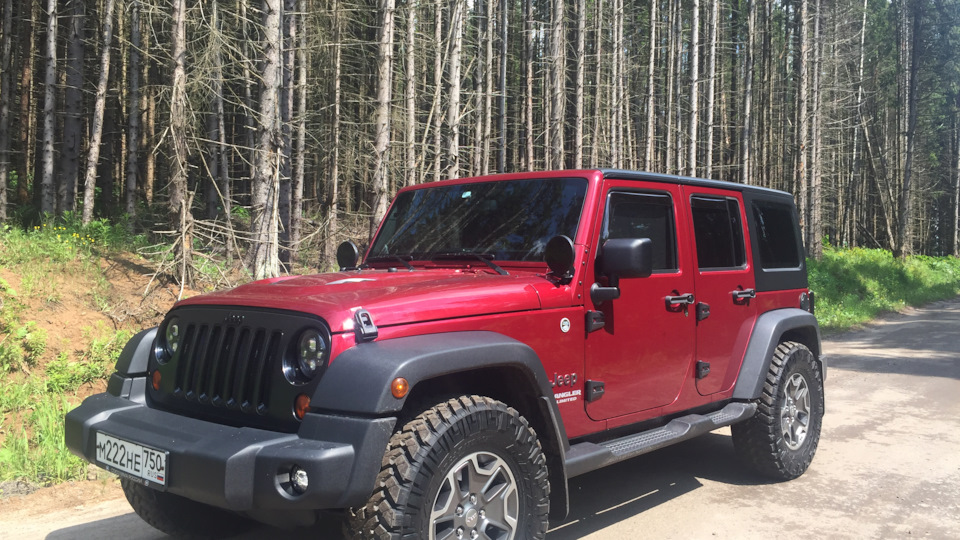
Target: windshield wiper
x: 390, y: 258
x: 482, y: 257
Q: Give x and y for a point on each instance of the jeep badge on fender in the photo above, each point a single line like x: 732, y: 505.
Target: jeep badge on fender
x: 499, y: 336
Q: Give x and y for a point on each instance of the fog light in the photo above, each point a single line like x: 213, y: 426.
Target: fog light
x: 299, y: 479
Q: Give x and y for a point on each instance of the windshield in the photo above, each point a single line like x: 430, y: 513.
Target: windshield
x: 503, y: 219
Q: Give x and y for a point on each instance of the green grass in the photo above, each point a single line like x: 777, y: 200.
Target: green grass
x: 35, y: 398
x: 855, y: 285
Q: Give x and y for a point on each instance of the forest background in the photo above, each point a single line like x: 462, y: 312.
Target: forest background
x: 261, y: 133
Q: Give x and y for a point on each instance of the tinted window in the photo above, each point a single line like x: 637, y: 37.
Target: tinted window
x: 718, y: 231
x: 776, y: 235
x: 645, y: 215
x: 508, y: 220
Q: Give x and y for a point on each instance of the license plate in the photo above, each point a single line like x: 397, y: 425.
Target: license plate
x: 134, y: 459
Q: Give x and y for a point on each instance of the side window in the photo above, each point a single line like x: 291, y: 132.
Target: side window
x: 645, y: 215
x: 777, y: 233
x: 719, y: 232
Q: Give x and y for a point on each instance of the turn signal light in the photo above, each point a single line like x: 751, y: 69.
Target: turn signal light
x: 155, y: 380
x: 399, y: 387
x: 301, y: 405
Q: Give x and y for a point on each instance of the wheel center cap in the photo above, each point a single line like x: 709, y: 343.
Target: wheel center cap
x: 470, y: 517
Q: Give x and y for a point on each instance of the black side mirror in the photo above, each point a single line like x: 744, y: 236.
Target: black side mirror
x: 621, y: 258
x: 347, y: 255
x: 626, y: 258
x: 559, y: 255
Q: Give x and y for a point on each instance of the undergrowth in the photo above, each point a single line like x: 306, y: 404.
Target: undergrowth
x: 855, y: 285
x: 35, y: 396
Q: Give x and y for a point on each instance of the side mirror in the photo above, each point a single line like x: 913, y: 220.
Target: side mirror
x: 626, y: 258
x: 347, y: 255
x: 559, y: 255
x: 621, y: 257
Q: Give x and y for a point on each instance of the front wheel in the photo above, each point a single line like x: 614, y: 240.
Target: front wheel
x: 779, y: 441
x: 470, y: 467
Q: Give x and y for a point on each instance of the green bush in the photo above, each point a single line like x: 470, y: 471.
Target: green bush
x: 854, y: 285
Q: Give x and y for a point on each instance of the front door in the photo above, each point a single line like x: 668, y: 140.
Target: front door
x: 725, y: 285
x: 646, y: 345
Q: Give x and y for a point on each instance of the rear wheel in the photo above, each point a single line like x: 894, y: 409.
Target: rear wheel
x: 470, y: 467
x: 180, y: 517
x: 780, y: 440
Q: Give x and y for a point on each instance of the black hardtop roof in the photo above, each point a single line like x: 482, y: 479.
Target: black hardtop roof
x: 689, y: 180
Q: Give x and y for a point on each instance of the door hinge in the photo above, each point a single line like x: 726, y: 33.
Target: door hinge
x: 594, y: 321
x: 703, y: 311
x: 594, y: 390
x: 703, y: 369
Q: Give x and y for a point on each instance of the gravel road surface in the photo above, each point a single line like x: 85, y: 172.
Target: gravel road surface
x: 888, y: 465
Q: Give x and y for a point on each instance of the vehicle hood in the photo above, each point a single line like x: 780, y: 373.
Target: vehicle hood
x: 391, y: 297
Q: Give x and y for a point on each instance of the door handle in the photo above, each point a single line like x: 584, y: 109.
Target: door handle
x: 744, y: 294
x: 680, y: 300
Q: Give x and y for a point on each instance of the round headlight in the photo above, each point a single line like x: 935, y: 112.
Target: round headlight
x: 172, y: 336
x: 311, y: 352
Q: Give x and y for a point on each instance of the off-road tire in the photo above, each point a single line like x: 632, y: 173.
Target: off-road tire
x: 770, y: 442
x: 180, y: 517
x: 425, y: 454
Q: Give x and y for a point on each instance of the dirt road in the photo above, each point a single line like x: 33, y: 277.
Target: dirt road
x: 888, y: 465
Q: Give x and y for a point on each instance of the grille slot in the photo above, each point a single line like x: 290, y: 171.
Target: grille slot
x: 226, y: 366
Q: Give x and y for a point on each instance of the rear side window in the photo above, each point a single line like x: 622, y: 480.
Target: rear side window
x: 645, y: 215
x: 776, y: 235
x: 719, y: 232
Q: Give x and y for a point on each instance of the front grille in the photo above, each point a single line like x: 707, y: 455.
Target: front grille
x: 227, y: 366
x: 232, y: 366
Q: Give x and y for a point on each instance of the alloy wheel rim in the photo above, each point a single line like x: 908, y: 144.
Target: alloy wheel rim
x: 477, y: 499
x: 795, y: 412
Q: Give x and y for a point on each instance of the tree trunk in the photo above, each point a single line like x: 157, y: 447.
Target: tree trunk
x: 746, y: 136
x: 437, y: 89
x: 488, y: 90
x: 133, y: 114
x: 803, y: 119
x: 581, y: 74
x: 266, y: 170
x: 711, y: 87
x: 180, y: 199
x: 651, y: 145
x: 528, y: 47
x: 598, y: 38
x: 671, y: 85
x: 815, y: 245
x: 333, y: 193
x: 911, y: 42
x: 410, y: 96
x: 381, y: 145
x: 96, y: 131
x: 5, y: 88
x: 300, y: 151
x: 288, y: 23
x: 47, y: 180
x: 453, y: 111
x: 956, y: 183
x: 557, y: 86
x: 694, y: 88
x: 502, y: 118
x: 72, y: 109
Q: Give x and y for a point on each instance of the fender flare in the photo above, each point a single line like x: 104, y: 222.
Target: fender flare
x: 358, y: 381
x: 767, y: 335
x: 136, y: 353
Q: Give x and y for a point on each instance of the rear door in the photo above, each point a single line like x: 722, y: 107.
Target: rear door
x: 725, y: 285
x: 646, y: 346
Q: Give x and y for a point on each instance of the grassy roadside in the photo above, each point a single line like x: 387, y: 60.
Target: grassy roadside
x: 56, y: 344
x: 855, y: 285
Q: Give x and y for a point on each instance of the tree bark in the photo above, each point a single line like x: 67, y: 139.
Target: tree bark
x: 5, y: 89
x: 180, y: 199
x: 502, y: 109
x: 72, y: 108
x: 711, y: 88
x: 330, y: 250
x: 47, y: 180
x: 694, y: 88
x: 746, y: 136
x: 528, y: 46
x: 268, y: 155
x: 453, y: 110
x: 381, y: 145
x: 410, y: 96
x: 96, y: 130
x: 557, y: 86
x: 579, y: 90
x: 911, y: 42
x: 300, y: 150
x: 133, y: 114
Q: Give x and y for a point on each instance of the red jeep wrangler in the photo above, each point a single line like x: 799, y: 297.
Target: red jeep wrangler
x: 502, y: 335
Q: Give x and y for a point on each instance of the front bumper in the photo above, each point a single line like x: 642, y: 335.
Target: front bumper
x: 238, y: 468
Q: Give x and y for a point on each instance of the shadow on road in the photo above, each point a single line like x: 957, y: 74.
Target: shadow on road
x: 610, y: 495
x: 922, y: 343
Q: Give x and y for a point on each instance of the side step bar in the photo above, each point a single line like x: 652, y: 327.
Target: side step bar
x: 587, y: 456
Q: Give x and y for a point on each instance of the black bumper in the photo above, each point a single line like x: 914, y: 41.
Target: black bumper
x: 239, y: 468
